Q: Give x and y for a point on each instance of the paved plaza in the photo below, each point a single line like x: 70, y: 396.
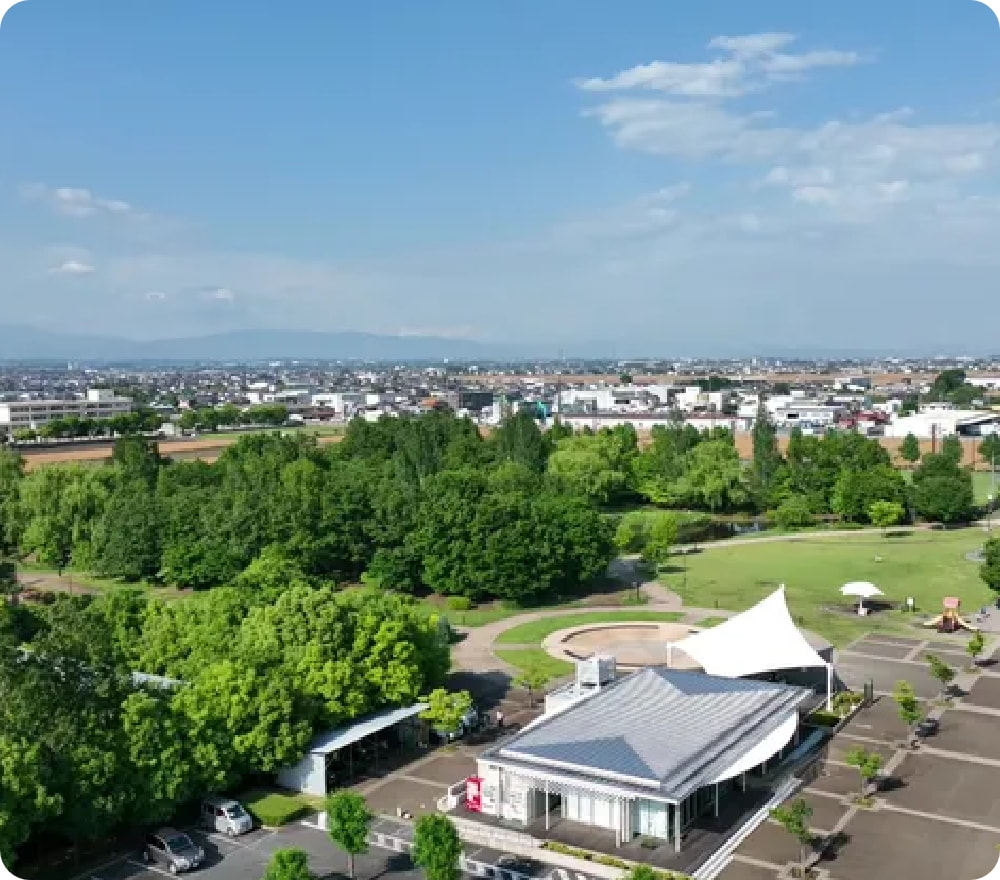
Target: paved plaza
x: 936, y: 815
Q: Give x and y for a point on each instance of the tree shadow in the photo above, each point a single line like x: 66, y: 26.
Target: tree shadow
x: 833, y: 845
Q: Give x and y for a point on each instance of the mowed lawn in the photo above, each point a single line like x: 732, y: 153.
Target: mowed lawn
x: 534, y: 632
x: 926, y: 565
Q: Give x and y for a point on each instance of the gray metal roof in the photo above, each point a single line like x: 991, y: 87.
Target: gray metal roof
x: 671, y: 730
x: 344, y: 736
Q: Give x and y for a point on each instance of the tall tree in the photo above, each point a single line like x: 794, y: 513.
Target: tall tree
x: 348, y: 822
x: 989, y: 571
x: 766, y: 457
x: 127, y: 539
x: 437, y: 847
x: 909, y: 449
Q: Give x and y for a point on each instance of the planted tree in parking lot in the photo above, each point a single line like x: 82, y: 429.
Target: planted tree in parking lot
x: 975, y: 647
x: 794, y: 818
x: 867, y: 764
x: 910, y: 711
x: 288, y: 864
x: 445, y: 709
x: 941, y: 671
x: 533, y: 679
x: 348, y: 822
x: 436, y: 847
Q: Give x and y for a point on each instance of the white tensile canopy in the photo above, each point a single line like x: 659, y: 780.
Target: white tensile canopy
x: 861, y: 589
x: 994, y: 874
x: 761, y: 639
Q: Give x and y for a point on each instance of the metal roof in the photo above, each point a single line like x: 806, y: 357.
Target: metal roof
x: 344, y: 736
x: 666, y: 730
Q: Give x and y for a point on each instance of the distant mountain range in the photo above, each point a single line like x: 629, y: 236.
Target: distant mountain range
x: 30, y: 344
x: 242, y: 346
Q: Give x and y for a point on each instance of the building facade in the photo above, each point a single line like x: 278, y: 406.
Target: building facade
x: 99, y: 403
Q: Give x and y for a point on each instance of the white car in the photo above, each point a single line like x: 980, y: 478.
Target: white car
x: 225, y: 816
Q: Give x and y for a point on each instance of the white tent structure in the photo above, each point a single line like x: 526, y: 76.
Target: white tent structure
x: 761, y: 639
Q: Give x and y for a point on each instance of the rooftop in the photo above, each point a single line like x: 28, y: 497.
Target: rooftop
x: 667, y: 730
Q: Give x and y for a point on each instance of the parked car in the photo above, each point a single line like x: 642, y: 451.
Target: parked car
x: 225, y: 816
x: 176, y: 851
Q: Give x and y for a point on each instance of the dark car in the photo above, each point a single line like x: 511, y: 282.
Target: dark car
x: 172, y: 849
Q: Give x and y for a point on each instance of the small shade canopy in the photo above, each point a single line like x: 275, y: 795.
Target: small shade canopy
x: 861, y: 589
x: 761, y: 639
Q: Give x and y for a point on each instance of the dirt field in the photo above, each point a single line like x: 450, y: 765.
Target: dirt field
x: 204, y: 448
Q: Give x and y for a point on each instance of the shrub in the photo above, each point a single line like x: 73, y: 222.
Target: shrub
x: 459, y: 603
x: 794, y: 513
x: 824, y: 718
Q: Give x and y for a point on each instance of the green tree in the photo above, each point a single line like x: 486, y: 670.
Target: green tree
x: 942, y: 491
x: 349, y: 822
x: 975, y: 646
x: 632, y: 532
x: 288, y: 864
x: 446, y: 709
x: 714, y: 476
x: 794, y: 818
x: 867, y: 764
x: 532, y: 679
x: 909, y: 449
x: 951, y: 448
x: 886, y: 514
x: 989, y: 449
x: 437, y: 848
x: 127, y: 538
x: 908, y: 706
x: 519, y: 439
x: 989, y: 571
x: 794, y: 513
x: 766, y: 457
x: 941, y: 671
x: 661, y: 540
x: 642, y: 872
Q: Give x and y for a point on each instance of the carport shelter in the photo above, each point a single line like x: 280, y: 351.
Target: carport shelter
x: 334, y: 754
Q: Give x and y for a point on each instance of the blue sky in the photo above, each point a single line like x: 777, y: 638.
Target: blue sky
x: 728, y: 177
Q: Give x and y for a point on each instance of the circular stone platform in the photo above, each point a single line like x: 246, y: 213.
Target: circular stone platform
x: 633, y: 645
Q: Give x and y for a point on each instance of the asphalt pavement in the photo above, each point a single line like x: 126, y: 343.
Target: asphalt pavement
x: 246, y: 858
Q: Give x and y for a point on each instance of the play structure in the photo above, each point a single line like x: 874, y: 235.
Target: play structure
x: 949, y: 620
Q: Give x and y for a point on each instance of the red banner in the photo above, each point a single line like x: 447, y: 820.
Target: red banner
x: 474, y: 793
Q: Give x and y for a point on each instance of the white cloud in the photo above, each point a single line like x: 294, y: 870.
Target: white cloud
x: 154, y: 296
x: 220, y: 294
x: 749, y: 63
x: 73, y: 267
x: 75, y: 201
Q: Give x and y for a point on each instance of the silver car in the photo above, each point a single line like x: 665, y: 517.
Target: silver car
x: 172, y: 849
x: 225, y: 816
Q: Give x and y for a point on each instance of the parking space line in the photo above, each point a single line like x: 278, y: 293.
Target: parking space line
x: 146, y: 867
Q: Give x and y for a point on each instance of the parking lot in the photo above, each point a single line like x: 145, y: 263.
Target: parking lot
x: 935, y: 814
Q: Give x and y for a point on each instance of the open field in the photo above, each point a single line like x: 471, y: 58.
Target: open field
x: 535, y: 631
x: 207, y: 447
x: 926, y: 565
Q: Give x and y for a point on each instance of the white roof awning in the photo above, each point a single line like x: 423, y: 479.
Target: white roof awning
x: 773, y: 743
x: 761, y: 639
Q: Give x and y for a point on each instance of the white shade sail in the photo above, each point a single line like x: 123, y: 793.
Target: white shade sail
x: 994, y: 874
x: 761, y: 639
x: 773, y: 743
x: 862, y: 589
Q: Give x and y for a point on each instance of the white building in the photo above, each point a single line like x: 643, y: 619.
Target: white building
x: 943, y: 420
x: 100, y: 403
x: 648, y: 755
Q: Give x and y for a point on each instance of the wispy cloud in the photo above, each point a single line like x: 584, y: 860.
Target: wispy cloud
x: 748, y: 63
x: 73, y: 267
x: 77, y: 202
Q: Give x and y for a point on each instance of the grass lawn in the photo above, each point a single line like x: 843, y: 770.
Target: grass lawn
x: 709, y: 622
x: 535, y: 658
x: 926, y: 565
x: 982, y: 485
x: 534, y: 632
x: 278, y: 807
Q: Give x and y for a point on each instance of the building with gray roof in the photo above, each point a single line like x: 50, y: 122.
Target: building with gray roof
x: 644, y: 755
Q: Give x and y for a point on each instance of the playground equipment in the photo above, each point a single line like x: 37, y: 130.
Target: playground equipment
x: 949, y: 620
